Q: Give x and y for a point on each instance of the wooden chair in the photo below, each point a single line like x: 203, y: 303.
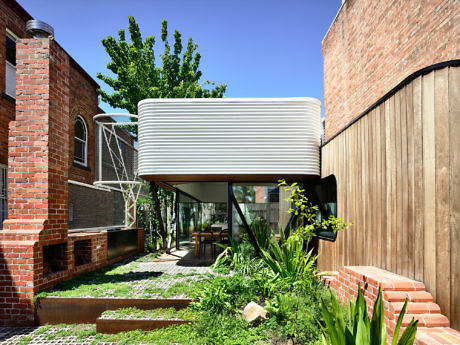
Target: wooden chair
x: 224, y: 238
x: 207, y: 240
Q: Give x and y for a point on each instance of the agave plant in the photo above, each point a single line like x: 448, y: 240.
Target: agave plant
x: 363, y: 331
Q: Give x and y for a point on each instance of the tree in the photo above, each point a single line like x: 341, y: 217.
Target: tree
x: 136, y: 77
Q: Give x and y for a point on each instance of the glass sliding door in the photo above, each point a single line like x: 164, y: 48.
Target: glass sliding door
x: 201, y: 206
x: 188, y: 210
x: 260, y: 202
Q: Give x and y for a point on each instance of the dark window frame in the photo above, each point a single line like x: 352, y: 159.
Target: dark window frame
x: 326, y: 199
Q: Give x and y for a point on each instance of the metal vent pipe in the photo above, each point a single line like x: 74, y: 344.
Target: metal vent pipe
x: 39, y: 29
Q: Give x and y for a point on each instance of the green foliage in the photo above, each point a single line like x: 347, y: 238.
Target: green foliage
x: 296, y: 315
x: 261, y: 231
x: 154, y: 218
x: 362, y: 330
x: 240, y: 258
x: 307, y: 224
x: 289, y: 262
x: 202, y: 226
x: 227, y: 293
x: 224, y: 329
x: 133, y: 313
x: 136, y: 75
x: 182, y: 334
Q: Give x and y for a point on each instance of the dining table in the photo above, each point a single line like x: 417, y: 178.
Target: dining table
x: 213, y: 233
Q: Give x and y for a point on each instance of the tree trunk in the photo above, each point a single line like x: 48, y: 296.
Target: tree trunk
x: 157, y: 210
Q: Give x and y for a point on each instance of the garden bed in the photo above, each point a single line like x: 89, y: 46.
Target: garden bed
x: 56, y: 310
x: 130, y: 319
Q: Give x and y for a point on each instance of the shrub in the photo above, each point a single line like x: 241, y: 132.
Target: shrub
x: 240, y: 258
x: 289, y: 262
x: 220, y: 294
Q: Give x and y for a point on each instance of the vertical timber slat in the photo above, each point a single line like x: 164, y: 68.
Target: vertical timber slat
x: 429, y: 177
x: 441, y: 108
x: 454, y: 194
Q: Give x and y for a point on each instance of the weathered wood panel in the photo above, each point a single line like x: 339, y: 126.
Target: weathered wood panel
x: 398, y: 176
x: 454, y: 193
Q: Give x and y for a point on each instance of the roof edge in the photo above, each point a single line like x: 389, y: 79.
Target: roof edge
x: 333, y: 22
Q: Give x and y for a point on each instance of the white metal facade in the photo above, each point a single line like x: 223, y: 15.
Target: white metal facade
x: 229, y: 136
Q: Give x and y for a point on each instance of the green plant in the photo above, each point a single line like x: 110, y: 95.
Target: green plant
x: 160, y: 313
x: 214, y: 298
x: 288, y: 260
x: 281, y: 305
x: 225, y: 293
x: 240, y: 258
x: 261, y: 231
x: 362, y: 330
x: 307, y: 224
x: 202, y: 226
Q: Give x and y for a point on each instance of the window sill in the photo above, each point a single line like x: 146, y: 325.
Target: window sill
x: 81, y: 166
x: 8, y: 98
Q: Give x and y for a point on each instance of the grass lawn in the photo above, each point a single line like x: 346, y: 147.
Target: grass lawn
x: 135, y: 278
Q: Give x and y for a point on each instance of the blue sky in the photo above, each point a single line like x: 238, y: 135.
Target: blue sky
x: 259, y: 48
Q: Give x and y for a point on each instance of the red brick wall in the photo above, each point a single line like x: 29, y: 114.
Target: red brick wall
x: 83, y: 102
x: 38, y: 190
x: 37, y: 177
x: 373, y: 45
x: 16, y: 22
x: 51, y: 90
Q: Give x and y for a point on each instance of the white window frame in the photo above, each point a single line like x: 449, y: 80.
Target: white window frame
x: 85, y: 153
x: 10, y: 66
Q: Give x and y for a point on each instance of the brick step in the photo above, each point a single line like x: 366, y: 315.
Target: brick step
x: 402, y: 285
x: 427, y: 320
x: 437, y: 336
x: 414, y: 308
x: 412, y: 296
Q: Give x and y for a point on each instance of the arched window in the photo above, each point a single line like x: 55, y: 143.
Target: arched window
x: 81, y: 142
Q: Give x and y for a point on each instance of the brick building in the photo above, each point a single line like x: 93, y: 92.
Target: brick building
x: 47, y: 150
x: 391, y: 98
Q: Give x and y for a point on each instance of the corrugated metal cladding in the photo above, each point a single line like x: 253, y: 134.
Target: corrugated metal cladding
x: 265, y: 136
